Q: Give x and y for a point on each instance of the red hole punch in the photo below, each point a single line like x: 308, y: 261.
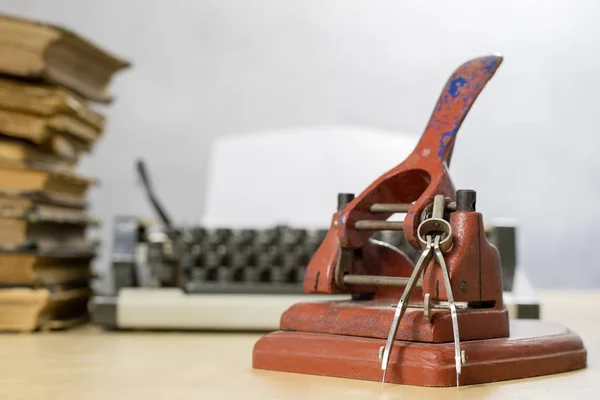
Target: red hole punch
x: 441, y: 322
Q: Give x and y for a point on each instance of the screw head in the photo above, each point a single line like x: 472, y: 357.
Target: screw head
x: 463, y: 286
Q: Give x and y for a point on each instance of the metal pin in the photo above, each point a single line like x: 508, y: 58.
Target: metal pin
x: 390, y: 207
x: 374, y: 280
x: 375, y: 225
x: 433, y: 306
x: 439, y: 203
x: 427, y: 306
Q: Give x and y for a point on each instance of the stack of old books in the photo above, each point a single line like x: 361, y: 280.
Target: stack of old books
x: 48, y: 79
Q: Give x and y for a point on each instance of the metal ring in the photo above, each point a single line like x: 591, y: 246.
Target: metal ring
x: 435, y: 226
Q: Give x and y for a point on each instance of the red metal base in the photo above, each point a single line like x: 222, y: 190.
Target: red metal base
x: 373, y: 318
x: 534, y: 348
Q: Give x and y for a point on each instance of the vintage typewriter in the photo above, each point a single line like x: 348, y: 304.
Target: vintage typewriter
x: 237, y: 279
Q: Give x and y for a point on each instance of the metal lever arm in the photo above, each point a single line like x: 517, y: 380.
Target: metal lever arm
x: 145, y: 179
x: 441, y: 231
x: 424, y: 260
x: 440, y: 259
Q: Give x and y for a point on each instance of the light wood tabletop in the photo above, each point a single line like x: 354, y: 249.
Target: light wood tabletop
x: 88, y: 363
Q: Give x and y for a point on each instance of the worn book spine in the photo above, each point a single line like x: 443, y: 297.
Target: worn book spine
x: 32, y: 49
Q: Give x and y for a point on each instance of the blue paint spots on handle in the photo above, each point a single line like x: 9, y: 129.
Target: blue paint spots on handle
x: 443, y: 142
x: 458, y: 82
x: 489, y: 63
x: 455, y: 85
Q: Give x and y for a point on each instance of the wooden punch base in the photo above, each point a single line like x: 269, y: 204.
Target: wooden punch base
x: 534, y: 348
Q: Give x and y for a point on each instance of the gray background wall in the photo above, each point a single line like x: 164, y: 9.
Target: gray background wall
x: 209, y: 68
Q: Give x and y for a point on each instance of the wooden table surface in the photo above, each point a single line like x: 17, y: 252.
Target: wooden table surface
x: 88, y: 363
